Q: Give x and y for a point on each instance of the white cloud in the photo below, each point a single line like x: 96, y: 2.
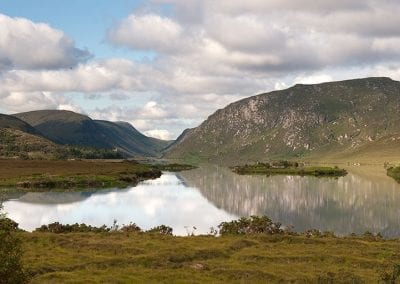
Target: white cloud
x: 153, y: 110
x: 313, y: 79
x: 28, y: 45
x: 22, y: 101
x: 146, y: 32
x: 159, y: 133
x: 207, y: 54
x: 95, y: 76
x: 392, y: 71
x: 70, y: 107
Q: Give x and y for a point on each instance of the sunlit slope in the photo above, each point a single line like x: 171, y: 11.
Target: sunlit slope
x: 353, y: 119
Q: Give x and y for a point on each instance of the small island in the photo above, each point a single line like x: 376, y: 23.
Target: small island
x: 288, y: 168
x: 174, y: 167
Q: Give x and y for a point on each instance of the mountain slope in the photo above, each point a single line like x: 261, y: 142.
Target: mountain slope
x: 66, y: 127
x: 11, y: 122
x: 125, y: 137
x: 322, y: 120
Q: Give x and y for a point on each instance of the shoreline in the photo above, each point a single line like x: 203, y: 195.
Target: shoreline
x: 39, y: 175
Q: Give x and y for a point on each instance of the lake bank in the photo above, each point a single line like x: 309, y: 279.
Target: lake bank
x: 74, y: 174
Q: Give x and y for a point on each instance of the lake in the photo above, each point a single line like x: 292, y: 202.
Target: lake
x: 364, y: 200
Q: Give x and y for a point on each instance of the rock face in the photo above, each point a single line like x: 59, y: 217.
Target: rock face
x: 337, y: 118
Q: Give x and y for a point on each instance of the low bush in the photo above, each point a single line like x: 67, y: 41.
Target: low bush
x: 250, y: 225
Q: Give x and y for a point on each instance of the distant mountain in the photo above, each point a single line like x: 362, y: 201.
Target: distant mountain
x: 69, y: 128
x: 18, y: 144
x: 353, y: 119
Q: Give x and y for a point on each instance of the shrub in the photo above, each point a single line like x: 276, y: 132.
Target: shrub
x: 74, y: 228
x: 162, y: 230
x: 11, y: 270
x: 131, y: 228
x: 251, y: 225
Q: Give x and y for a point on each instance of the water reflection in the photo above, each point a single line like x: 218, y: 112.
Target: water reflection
x: 206, y: 196
x: 162, y: 201
x: 355, y: 203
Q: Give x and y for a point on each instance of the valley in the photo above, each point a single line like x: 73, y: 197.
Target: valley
x: 320, y: 159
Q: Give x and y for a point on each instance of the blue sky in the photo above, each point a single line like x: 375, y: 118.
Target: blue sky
x: 86, y: 21
x: 166, y: 65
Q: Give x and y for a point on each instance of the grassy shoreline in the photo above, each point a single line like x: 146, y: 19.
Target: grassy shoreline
x: 44, y: 174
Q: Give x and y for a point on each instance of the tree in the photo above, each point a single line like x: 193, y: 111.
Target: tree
x: 11, y: 270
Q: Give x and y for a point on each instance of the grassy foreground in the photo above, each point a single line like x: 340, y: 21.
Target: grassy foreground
x: 139, y: 257
x: 45, y: 174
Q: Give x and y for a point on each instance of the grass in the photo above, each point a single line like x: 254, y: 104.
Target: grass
x: 45, y: 174
x: 267, y: 169
x: 140, y: 257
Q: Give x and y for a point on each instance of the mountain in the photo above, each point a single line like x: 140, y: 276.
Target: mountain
x: 69, y: 128
x: 353, y: 119
x: 180, y: 139
x: 11, y: 122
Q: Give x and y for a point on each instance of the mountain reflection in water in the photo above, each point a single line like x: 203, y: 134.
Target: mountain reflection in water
x: 357, y: 203
x: 165, y: 200
x: 361, y: 201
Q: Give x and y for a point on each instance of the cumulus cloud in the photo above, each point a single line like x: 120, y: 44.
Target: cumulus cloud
x: 313, y: 79
x: 28, y: 45
x: 159, y: 133
x: 21, y: 101
x: 207, y: 54
x: 89, y: 77
x: 146, y: 32
x: 262, y: 38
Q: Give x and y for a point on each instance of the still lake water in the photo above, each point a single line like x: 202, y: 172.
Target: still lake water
x: 364, y: 200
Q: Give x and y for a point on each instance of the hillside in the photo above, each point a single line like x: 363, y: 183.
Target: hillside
x: 18, y: 144
x: 11, y: 122
x: 69, y: 128
x: 353, y: 119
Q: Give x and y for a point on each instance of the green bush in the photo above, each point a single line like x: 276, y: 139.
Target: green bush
x: 251, y: 225
x: 74, y: 228
x: 131, y: 228
x: 162, y: 230
x: 11, y: 270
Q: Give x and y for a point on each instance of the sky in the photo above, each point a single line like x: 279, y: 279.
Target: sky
x: 166, y: 65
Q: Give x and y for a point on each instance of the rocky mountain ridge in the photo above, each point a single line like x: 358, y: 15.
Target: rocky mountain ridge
x: 303, y: 121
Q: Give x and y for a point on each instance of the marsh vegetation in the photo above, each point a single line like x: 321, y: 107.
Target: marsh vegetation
x: 253, y: 249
